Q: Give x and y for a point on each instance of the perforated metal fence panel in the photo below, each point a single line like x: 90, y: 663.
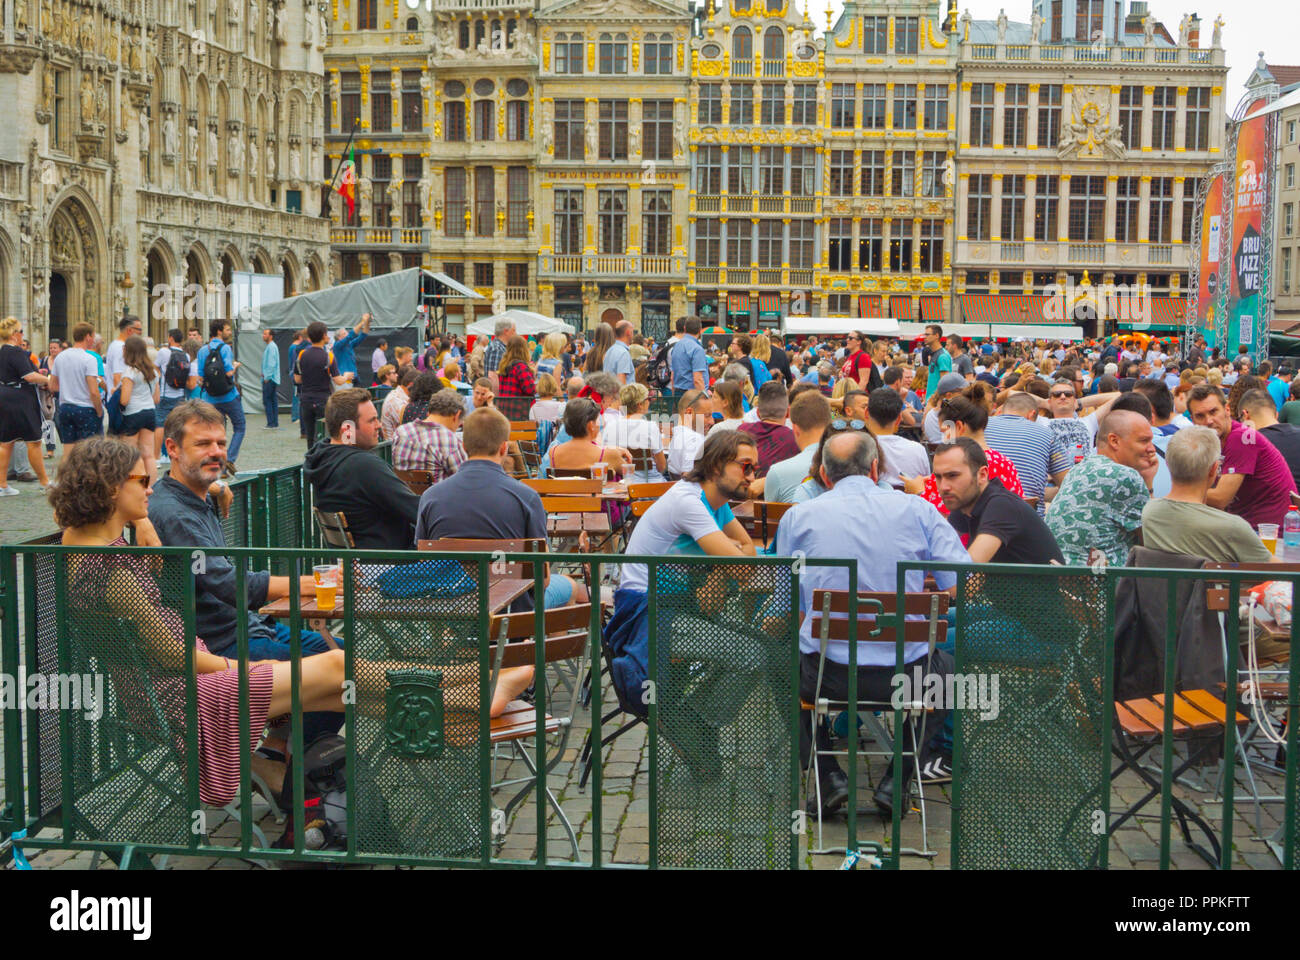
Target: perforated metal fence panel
x: 418, y: 728
x: 725, y: 707
x: 1028, y: 781
x: 125, y: 756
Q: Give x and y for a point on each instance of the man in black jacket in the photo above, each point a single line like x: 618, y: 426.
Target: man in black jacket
x: 347, y: 477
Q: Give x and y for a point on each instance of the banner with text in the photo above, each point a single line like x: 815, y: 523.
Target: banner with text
x: 1246, y: 296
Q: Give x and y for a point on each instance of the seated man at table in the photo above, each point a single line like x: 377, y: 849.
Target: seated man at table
x: 480, y: 502
x: 1255, y: 482
x: 1258, y: 411
x: 432, y: 444
x: 810, y: 416
x: 857, y: 519
x: 1182, y: 523
x: 772, y: 438
x: 694, y: 417
x: 694, y: 517
x: 995, y: 525
x: 184, y: 511
x: 349, y: 478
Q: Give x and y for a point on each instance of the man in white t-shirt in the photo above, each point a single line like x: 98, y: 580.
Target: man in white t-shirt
x: 114, y: 366
x: 695, y: 417
x: 693, y: 517
x: 74, y: 376
x: 902, y: 456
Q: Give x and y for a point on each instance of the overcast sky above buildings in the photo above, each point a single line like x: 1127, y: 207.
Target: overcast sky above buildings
x: 1250, y: 26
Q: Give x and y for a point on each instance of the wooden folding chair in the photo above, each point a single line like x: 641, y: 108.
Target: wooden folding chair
x: 566, y: 487
x: 873, y: 714
x: 418, y: 480
x: 643, y: 463
x: 334, y: 529
x: 514, y: 645
x: 520, y: 426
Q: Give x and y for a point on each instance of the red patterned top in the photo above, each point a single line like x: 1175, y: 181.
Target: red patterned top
x: 517, y: 381
x: 1000, y: 468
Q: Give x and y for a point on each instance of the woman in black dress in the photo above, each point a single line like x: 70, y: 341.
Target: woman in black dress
x: 20, y: 413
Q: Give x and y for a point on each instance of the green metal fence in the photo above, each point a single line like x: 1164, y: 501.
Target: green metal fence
x: 723, y: 771
x: 1032, y: 786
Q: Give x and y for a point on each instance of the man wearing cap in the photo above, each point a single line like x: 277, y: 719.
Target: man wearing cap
x: 950, y: 384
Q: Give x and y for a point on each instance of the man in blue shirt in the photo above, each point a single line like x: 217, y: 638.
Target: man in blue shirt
x: 689, y: 362
x: 219, y: 388
x: 345, y: 357
x: 271, y: 380
x: 618, y: 358
x: 857, y: 519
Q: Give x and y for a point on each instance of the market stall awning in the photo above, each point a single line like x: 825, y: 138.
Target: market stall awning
x: 1019, y: 308
x: 527, y: 324
x: 967, y: 331
x: 797, y: 326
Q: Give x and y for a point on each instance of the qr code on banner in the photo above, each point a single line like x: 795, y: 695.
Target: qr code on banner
x: 1247, y: 328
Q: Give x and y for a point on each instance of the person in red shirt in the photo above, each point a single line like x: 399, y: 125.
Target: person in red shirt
x: 961, y: 416
x: 857, y: 364
x: 1254, y: 481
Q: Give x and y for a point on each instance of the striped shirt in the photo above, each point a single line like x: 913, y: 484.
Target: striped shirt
x: 425, y: 445
x: 1030, y: 446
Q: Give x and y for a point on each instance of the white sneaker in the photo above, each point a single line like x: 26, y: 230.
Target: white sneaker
x: 9, y: 491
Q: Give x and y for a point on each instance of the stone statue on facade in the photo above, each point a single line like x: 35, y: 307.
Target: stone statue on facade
x: 87, y: 99
x: 279, y: 24
x: 679, y: 133
x: 1218, y: 31
x: 1002, y: 26
x: 171, y: 141
x: 144, y: 131
x: 192, y: 143
x: 214, y: 148
x: 593, y: 140
x: 295, y: 163
x: 236, y: 158
x: 253, y: 156
x: 1036, y: 22
x: 270, y: 161
x: 1184, y: 29
x: 1149, y: 30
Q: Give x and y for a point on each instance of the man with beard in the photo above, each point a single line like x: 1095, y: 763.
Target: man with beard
x: 693, y: 517
x: 184, y: 510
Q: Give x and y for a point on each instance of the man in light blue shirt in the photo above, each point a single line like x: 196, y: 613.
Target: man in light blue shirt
x: 345, y: 357
x: 618, y: 358
x: 1279, y: 387
x: 689, y: 362
x: 878, y: 528
x: 810, y: 415
x: 271, y: 380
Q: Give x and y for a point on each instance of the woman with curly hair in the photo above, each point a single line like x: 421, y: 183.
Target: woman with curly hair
x: 424, y: 387
x: 103, y: 488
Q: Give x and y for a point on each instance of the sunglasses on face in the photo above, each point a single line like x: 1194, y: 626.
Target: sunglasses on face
x: 848, y: 425
x: 748, y: 468
x: 1061, y: 395
x: 140, y: 478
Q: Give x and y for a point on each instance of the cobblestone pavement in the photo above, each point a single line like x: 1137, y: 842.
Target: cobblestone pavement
x: 28, y: 515
x: 625, y: 814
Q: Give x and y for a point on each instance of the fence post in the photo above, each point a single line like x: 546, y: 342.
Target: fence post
x: 12, y: 812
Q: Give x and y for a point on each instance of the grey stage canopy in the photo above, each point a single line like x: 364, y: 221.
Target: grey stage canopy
x: 393, y: 300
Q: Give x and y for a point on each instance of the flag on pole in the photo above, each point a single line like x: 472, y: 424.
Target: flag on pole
x: 347, y: 187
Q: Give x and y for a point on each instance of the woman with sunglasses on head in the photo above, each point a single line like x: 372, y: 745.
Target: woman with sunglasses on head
x: 961, y: 416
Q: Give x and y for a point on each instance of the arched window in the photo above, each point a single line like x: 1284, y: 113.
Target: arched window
x: 510, y: 31
x: 498, y: 38
x: 412, y: 24
x: 774, y: 43
x: 742, y: 44
x: 464, y: 35
x: 480, y: 31
x: 775, y: 6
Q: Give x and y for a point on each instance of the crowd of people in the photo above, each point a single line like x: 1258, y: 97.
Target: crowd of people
x: 940, y: 451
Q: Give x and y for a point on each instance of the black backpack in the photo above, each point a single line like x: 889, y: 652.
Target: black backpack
x: 216, y: 381
x: 177, y: 371
x: 325, y: 796
x: 660, y: 373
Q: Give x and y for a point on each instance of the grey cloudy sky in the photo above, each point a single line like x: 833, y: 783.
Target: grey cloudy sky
x: 1250, y: 26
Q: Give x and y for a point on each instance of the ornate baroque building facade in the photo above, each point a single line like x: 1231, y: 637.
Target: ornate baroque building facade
x: 1083, y: 137
x: 156, y: 145
x: 645, y: 159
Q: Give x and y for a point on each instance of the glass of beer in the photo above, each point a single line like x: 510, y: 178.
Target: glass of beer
x: 1268, y: 534
x: 327, y: 585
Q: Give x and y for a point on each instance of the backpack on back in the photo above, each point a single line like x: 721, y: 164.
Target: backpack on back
x: 660, y: 372
x: 216, y: 381
x: 177, y: 372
